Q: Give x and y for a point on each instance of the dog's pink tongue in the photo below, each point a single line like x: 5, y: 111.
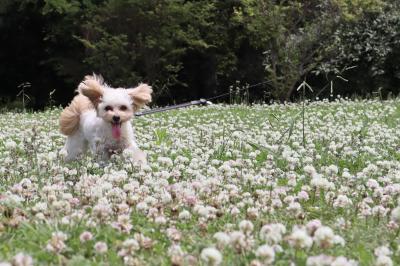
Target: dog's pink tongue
x: 116, y: 131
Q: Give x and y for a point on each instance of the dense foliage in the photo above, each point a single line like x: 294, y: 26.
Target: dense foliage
x: 191, y: 49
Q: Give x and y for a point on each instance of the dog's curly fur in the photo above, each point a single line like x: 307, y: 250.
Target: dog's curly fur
x: 99, y: 117
x: 69, y: 119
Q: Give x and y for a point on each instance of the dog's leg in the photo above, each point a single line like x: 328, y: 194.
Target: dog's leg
x: 136, y: 155
x: 132, y: 151
x: 74, y: 146
x: 98, y: 149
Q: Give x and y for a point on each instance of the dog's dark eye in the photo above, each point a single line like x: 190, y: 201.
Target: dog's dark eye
x: 123, y: 108
x: 108, y: 108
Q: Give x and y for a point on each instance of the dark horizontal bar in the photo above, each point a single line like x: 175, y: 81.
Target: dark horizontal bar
x: 172, y: 107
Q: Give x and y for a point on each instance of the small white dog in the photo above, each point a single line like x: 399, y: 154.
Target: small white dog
x: 99, y: 118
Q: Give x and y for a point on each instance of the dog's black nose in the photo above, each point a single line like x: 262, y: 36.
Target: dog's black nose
x: 116, y: 118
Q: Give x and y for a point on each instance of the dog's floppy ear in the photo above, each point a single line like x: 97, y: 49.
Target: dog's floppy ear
x: 140, y: 95
x: 92, y: 88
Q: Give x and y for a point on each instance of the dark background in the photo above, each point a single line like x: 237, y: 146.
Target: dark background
x: 192, y: 49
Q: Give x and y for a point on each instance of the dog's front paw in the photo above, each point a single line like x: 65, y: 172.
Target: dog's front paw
x: 136, y: 155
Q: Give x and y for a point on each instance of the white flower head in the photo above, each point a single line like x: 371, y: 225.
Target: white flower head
x: 246, y: 227
x: 395, y: 215
x: 324, y: 237
x: 382, y: 251
x: 299, y: 239
x: 22, y: 259
x: 211, y: 256
x: 100, y: 247
x: 266, y: 254
x: 384, y: 261
x: 222, y: 239
x: 85, y: 236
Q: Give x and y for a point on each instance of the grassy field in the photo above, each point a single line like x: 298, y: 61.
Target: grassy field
x: 225, y: 185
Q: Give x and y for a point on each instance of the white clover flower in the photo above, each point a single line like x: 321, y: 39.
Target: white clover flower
x: 276, y: 203
x: 51, y: 156
x: 366, y: 211
x: 342, y: 201
x: 174, y: 234
x: 22, y: 259
x: 343, y: 261
x: 294, y: 208
x: 321, y: 183
x: 175, y: 250
x: 238, y: 241
x: 303, y: 196
x: 272, y: 233
x: 165, y: 161
x: 371, y: 168
x: 299, y: 239
x: 382, y: 251
x: 252, y: 155
x: 342, y: 223
x: 11, y: 200
x: 312, y: 226
x: 123, y: 223
x: 266, y: 254
x: 10, y: 144
x: 338, y: 240
x: 309, y: 169
x: 206, y: 211
x: 379, y: 211
x: 184, y: 215
x: 332, y: 170
x: 100, y: 247
x: 222, y: 238
x: 40, y: 216
x: 288, y: 199
x: 246, y: 227
x: 346, y: 175
x: 144, y: 241
x: 160, y: 220
x: 102, y: 211
x: 320, y: 260
x: 40, y: 207
x: 85, y: 236
x: 372, y: 184
x: 395, y: 215
x: 324, y: 237
x: 142, y: 207
x: 383, y: 261
x: 253, y: 212
x: 56, y: 243
x: 129, y: 248
x: 211, y: 256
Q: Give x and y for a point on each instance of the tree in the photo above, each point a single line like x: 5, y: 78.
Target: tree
x: 297, y: 35
x: 190, y: 49
x: 370, y: 46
